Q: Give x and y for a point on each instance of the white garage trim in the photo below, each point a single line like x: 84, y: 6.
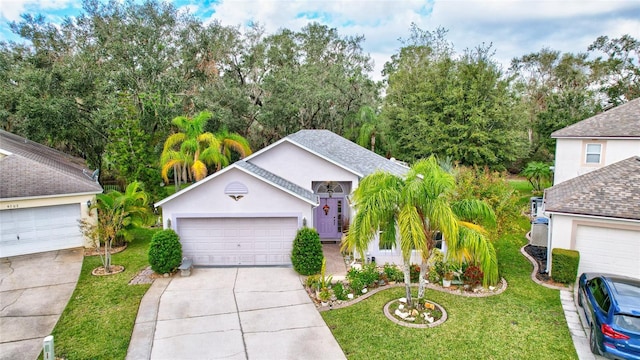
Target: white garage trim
x: 237, y: 240
x: 38, y: 229
x: 608, y: 250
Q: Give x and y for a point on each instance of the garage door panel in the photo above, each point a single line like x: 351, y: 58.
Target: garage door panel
x: 608, y: 250
x: 238, y: 241
x: 31, y: 230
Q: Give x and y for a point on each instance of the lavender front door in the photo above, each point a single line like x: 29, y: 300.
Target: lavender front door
x: 329, y: 218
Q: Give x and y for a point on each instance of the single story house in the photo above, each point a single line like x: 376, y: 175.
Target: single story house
x: 43, y: 195
x: 249, y: 212
x: 598, y: 214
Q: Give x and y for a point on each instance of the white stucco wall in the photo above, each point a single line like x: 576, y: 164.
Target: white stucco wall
x: 563, y: 229
x: 300, y: 166
x: 570, y: 155
x: 210, y: 200
x: 53, y: 201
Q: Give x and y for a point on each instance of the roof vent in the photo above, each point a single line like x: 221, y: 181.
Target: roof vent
x: 236, y: 190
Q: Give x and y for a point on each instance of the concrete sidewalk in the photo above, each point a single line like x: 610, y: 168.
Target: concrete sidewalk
x: 34, y: 290
x: 231, y: 313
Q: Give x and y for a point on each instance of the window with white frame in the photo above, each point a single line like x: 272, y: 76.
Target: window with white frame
x: 593, y: 153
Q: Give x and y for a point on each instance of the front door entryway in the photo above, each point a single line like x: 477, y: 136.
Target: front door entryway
x: 329, y: 217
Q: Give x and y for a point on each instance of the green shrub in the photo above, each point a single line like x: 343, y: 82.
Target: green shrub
x: 564, y: 265
x: 393, y: 273
x: 339, y: 291
x: 306, y: 255
x: 165, y: 251
x: 368, y: 276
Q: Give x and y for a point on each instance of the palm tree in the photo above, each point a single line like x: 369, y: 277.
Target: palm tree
x: 118, y: 214
x: 370, y: 128
x: 231, y: 141
x: 413, y: 208
x: 537, y: 173
x: 188, y: 153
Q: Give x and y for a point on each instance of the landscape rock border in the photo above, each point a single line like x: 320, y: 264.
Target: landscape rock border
x: 413, y: 325
x: 499, y: 290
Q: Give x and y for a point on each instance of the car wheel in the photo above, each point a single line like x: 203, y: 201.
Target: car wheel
x: 593, y: 342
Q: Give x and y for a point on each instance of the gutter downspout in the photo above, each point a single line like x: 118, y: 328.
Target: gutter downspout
x: 549, y: 242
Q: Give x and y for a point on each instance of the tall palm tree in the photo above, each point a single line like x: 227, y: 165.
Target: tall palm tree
x: 190, y: 152
x: 413, y: 208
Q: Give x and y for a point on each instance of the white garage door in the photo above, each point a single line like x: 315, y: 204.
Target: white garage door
x: 608, y: 250
x: 32, y: 230
x: 238, y: 241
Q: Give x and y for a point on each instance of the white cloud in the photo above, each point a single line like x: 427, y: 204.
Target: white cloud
x: 12, y: 9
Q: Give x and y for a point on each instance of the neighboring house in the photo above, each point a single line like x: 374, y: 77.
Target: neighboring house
x: 598, y: 141
x: 43, y: 195
x: 249, y: 212
x: 594, y: 205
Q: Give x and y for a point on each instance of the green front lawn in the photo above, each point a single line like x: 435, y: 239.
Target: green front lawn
x: 524, y: 322
x: 98, y: 321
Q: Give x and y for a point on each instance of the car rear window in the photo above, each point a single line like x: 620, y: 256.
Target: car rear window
x: 627, y: 322
x: 627, y: 289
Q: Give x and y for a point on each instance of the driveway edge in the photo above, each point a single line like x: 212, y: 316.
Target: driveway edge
x: 145, y: 325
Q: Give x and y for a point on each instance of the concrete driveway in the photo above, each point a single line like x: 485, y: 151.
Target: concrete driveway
x: 34, y: 290
x: 231, y: 313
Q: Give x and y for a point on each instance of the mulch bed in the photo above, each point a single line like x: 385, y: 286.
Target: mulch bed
x: 539, y: 254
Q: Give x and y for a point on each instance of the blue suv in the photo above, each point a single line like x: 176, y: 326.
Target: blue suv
x: 611, y: 304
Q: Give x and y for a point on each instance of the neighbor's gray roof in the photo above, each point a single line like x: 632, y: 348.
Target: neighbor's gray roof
x: 33, y: 170
x: 623, y: 121
x: 611, y: 191
x: 345, y: 153
x: 277, y: 180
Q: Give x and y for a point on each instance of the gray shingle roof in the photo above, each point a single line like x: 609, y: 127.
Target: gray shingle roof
x: 33, y: 170
x: 611, y: 191
x: 623, y: 121
x: 277, y: 180
x: 345, y: 153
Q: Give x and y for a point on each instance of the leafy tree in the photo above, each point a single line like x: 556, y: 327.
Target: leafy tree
x: 620, y: 71
x: 370, y: 133
x: 118, y: 214
x: 556, y: 90
x: 538, y: 173
x: 458, y: 107
x: 413, y: 208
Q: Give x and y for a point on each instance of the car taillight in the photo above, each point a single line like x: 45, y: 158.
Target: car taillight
x: 609, y: 332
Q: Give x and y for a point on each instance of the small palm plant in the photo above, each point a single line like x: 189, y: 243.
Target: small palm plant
x: 118, y: 214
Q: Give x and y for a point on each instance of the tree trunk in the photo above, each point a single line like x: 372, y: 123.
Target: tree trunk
x: 422, y: 284
x: 407, y: 282
x: 107, y: 256
x: 176, y: 178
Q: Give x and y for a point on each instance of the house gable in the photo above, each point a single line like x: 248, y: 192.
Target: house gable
x: 598, y: 141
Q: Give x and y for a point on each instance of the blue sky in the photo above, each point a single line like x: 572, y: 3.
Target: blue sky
x: 514, y: 27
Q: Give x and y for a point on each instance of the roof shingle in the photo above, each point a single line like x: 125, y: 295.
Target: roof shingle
x: 623, y: 121
x: 611, y: 191
x: 32, y: 170
x: 345, y: 153
x: 277, y: 180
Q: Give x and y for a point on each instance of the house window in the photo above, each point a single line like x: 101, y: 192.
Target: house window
x: 593, y: 153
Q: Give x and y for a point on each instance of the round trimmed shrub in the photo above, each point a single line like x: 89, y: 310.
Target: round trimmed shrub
x: 306, y: 255
x: 165, y: 251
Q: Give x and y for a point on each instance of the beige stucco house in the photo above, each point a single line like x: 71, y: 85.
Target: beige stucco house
x: 594, y: 205
x: 43, y: 195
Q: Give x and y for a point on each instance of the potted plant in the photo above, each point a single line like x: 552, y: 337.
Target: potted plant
x: 448, y: 274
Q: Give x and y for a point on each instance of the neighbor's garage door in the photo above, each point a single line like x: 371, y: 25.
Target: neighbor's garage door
x: 608, y: 250
x: 238, y: 241
x: 32, y: 230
